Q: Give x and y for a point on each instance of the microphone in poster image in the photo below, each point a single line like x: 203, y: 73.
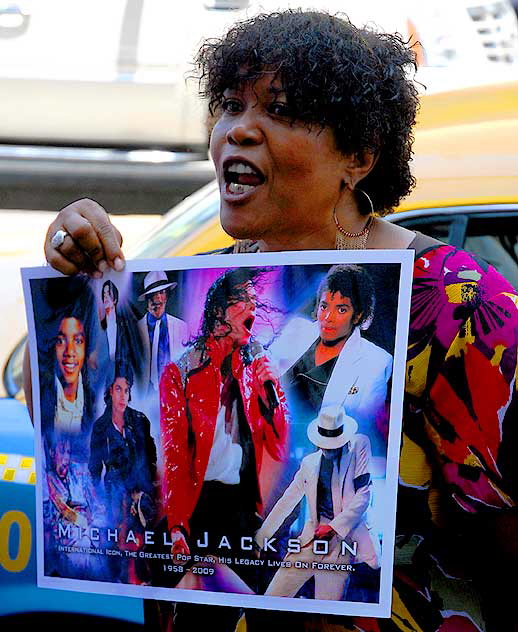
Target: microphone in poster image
x: 256, y: 350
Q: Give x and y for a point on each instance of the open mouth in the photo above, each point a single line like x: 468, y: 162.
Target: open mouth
x: 241, y: 176
x: 249, y: 323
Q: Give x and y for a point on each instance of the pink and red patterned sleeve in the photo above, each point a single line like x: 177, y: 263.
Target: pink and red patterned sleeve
x: 463, y: 353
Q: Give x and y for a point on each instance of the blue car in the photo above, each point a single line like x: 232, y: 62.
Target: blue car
x: 22, y: 603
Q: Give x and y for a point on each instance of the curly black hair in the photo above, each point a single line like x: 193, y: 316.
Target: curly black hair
x: 354, y: 80
x: 353, y: 282
x: 123, y: 370
x: 227, y: 289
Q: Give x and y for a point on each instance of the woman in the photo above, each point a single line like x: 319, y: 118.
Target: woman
x: 122, y: 446
x: 345, y: 306
x: 313, y: 134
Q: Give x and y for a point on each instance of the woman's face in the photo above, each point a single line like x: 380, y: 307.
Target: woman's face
x: 277, y: 178
x: 336, y: 317
x: 70, y: 349
x: 120, y: 392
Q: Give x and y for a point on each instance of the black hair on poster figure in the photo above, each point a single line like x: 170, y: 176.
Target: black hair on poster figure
x: 60, y: 298
x: 300, y: 286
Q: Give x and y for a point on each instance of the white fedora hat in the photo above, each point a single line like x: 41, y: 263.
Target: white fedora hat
x: 332, y: 428
x: 155, y: 281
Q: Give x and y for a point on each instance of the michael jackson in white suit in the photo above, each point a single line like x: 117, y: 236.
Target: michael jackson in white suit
x: 163, y: 336
x: 336, y: 482
x: 340, y: 366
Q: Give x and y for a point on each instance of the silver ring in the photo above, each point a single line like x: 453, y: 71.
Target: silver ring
x: 58, y: 238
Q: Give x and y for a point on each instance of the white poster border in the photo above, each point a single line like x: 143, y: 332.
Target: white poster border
x: 403, y: 257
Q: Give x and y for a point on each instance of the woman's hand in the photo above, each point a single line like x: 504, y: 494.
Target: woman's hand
x: 91, y: 242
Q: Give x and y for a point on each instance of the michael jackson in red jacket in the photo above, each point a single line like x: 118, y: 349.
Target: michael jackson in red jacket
x: 220, y: 406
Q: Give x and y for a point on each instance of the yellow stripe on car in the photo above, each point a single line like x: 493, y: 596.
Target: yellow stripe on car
x: 16, y: 468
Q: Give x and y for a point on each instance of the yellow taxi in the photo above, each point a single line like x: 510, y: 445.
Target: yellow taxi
x: 466, y: 166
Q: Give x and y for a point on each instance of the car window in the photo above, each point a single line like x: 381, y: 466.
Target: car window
x: 189, y: 228
x: 490, y: 235
x: 436, y: 228
x: 13, y: 372
x: 493, y: 236
x: 491, y: 249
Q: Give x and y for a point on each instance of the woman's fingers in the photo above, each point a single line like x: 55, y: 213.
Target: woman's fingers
x: 106, y: 246
x: 68, y: 248
x: 91, y: 242
x: 83, y: 233
x: 58, y: 261
x: 82, y: 245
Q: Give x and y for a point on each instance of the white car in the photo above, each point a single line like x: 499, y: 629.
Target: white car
x: 112, y: 73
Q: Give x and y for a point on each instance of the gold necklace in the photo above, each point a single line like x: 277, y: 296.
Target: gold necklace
x: 245, y: 245
x: 345, y: 240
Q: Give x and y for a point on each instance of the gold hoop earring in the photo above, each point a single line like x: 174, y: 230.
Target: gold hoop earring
x: 346, y: 240
x: 368, y: 198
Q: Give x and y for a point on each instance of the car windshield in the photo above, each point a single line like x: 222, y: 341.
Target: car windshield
x: 180, y: 223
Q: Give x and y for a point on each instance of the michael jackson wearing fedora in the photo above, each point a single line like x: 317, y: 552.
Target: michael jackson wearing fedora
x: 336, y: 482
x: 163, y: 335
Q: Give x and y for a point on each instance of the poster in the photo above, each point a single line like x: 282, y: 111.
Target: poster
x: 222, y: 430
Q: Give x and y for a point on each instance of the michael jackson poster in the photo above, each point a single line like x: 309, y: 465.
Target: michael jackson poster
x: 222, y: 430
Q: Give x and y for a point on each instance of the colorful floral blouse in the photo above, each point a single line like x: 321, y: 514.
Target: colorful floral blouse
x: 457, y: 455
x: 455, y: 460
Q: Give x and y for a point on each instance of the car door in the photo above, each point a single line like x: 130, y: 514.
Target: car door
x: 489, y: 231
